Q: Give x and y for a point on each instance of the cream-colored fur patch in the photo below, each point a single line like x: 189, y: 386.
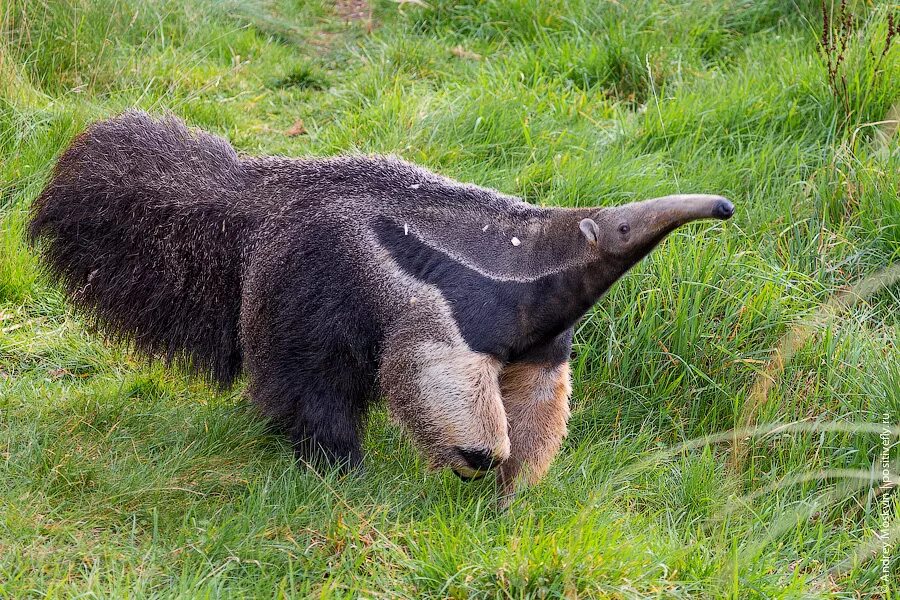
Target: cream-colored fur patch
x: 460, y: 387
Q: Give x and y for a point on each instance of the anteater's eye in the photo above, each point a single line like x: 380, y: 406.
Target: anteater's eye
x: 624, y: 228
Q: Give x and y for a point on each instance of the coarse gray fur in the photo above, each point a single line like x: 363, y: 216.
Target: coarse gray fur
x: 333, y: 281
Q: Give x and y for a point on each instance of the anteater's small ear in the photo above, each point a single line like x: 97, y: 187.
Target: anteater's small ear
x: 590, y: 230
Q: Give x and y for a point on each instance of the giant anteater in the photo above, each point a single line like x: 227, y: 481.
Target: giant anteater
x: 334, y: 281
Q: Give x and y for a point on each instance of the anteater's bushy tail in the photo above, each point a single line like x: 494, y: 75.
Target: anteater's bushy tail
x: 145, y: 223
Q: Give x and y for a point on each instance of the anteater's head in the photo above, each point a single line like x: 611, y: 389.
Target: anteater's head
x: 625, y: 234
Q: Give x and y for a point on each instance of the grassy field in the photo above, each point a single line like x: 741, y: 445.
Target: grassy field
x: 120, y: 478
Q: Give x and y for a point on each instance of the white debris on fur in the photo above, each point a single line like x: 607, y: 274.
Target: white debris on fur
x: 516, y: 241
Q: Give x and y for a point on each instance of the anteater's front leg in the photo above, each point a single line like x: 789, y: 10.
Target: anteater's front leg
x: 447, y: 396
x: 536, y: 398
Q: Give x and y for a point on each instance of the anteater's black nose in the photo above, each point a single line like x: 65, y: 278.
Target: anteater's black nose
x: 723, y: 210
x: 479, y: 460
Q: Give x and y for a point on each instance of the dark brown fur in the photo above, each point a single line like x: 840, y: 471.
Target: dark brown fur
x: 334, y: 281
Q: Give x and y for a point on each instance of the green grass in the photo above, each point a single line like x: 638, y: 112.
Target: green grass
x: 120, y: 478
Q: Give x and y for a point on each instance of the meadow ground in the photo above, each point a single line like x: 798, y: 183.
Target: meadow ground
x: 123, y: 479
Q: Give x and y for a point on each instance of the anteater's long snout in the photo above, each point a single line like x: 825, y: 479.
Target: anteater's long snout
x: 678, y: 209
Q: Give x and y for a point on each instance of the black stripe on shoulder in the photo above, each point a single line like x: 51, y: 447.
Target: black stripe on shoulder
x: 484, y: 309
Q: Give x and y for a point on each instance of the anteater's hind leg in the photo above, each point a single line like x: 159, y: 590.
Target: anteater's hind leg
x: 325, y: 420
x: 321, y: 411
x: 308, y: 357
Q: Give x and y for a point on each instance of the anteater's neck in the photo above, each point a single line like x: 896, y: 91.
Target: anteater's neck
x: 552, y: 304
x: 575, y: 277
x: 500, y: 308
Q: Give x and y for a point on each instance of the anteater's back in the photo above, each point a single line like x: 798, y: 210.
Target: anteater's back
x: 145, y: 223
